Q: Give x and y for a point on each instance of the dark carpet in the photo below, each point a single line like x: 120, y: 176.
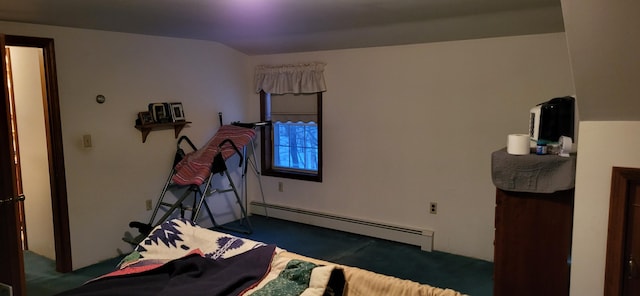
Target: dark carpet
x: 466, y: 275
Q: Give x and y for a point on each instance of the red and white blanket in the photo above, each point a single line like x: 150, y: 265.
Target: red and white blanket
x: 195, y: 167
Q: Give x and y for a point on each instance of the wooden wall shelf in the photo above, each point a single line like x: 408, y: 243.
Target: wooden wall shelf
x: 147, y: 128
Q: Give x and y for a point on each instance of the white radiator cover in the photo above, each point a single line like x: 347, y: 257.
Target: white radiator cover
x: 412, y: 236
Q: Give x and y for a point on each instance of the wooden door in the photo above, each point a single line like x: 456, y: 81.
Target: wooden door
x: 622, y: 274
x: 11, y: 257
x: 631, y: 280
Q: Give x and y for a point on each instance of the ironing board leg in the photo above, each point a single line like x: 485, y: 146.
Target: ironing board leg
x: 206, y: 207
x: 196, y: 211
x: 203, y: 201
x: 174, y: 206
x: 161, y: 198
x: 250, y: 160
x: 242, y: 208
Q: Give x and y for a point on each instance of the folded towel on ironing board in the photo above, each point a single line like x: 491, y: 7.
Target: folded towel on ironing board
x: 195, y: 167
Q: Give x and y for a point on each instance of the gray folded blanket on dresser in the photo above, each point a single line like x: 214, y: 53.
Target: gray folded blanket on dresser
x: 532, y: 173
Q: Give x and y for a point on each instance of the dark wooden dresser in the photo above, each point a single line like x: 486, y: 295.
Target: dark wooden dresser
x: 533, y: 230
x: 532, y: 247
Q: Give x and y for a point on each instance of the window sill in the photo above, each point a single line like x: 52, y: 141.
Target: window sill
x: 292, y: 175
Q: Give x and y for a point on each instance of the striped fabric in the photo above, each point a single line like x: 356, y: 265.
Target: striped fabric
x: 195, y: 167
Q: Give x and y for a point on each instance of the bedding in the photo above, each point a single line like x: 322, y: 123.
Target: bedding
x: 195, y: 167
x: 181, y: 258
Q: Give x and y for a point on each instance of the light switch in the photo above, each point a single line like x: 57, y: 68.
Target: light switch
x: 86, y: 141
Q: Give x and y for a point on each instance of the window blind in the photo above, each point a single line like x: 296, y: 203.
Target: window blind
x: 294, y: 108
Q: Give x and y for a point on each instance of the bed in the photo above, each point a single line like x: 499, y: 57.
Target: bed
x: 181, y: 258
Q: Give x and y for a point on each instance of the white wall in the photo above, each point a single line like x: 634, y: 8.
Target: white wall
x: 606, y: 69
x: 604, y: 57
x: 107, y: 184
x: 26, y: 65
x: 600, y: 150
x: 404, y: 126
x: 407, y: 125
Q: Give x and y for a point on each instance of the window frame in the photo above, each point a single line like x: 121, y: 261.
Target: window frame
x: 266, y: 146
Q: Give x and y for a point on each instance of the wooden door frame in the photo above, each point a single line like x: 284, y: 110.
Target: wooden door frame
x: 12, y: 271
x: 60, y: 209
x: 621, y: 179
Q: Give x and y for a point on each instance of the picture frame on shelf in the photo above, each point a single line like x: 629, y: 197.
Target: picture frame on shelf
x: 177, y: 112
x: 145, y: 117
x: 160, y: 112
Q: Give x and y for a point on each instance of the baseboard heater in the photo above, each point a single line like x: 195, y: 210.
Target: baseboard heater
x: 413, y: 236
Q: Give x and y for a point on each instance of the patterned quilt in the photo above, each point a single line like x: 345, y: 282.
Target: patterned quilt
x: 181, y: 258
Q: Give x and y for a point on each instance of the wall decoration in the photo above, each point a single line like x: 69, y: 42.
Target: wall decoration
x: 161, y: 112
x: 145, y: 117
x: 100, y: 99
x: 177, y: 112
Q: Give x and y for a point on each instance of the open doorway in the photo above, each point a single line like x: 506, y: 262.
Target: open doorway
x: 50, y: 152
x: 27, y: 97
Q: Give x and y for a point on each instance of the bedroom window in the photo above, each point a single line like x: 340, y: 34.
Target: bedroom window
x: 295, y: 145
x: 292, y: 145
x: 291, y: 98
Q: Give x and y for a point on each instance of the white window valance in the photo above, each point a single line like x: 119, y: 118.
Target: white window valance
x: 290, y: 79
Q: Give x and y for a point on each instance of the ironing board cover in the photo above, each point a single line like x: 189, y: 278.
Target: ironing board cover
x: 195, y: 167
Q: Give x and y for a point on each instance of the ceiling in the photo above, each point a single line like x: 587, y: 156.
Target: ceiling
x: 280, y: 26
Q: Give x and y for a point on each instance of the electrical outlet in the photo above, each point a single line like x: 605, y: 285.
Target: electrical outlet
x: 280, y: 186
x: 148, y: 204
x: 86, y: 141
x: 433, y: 208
